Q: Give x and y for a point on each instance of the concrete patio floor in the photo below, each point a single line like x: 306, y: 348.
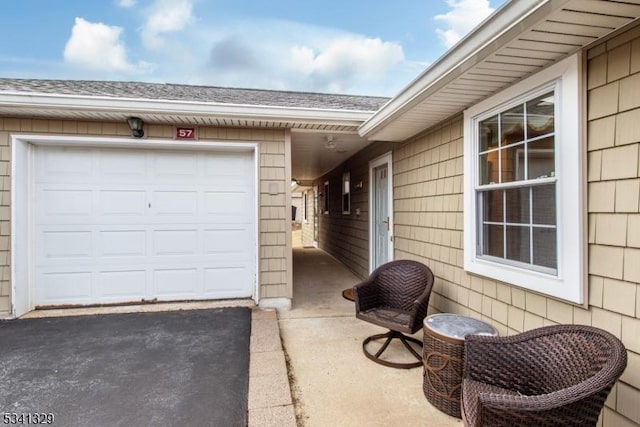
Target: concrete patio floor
x: 333, y: 383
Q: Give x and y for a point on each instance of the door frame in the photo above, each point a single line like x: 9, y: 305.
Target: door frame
x: 22, y: 168
x: 387, y: 159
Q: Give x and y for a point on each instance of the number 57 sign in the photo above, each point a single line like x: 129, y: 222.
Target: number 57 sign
x: 185, y: 133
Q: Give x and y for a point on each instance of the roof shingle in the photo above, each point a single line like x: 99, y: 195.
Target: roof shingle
x: 188, y: 93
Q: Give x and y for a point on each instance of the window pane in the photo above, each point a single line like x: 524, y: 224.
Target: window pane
x: 489, y: 133
x: 517, y: 205
x: 345, y: 202
x: 540, y: 115
x: 518, y: 248
x: 512, y: 125
x: 492, y: 205
x: 489, y: 168
x: 512, y: 163
x: 544, y: 204
x: 541, y: 158
x: 544, y: 247
x: 493, y: 240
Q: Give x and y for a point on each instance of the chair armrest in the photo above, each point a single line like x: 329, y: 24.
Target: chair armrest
x: 568, y: 406
x: 366, y: 294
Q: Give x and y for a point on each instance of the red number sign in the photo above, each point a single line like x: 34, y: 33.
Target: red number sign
x: 185, y: 133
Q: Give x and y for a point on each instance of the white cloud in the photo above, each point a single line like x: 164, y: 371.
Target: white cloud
x: 463, y: 17
x: 96, y: 45
x: 345, y: 59
x: 165, y: 16
x: 126, y: 3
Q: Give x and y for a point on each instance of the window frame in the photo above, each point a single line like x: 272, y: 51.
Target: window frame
x: 346, y: 182
x: 305, y: 201
x: 326, y: 197
x: 569, y: 281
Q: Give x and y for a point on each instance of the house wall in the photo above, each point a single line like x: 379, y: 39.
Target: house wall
x: 346, y: 236
x: 274, y: 265
x: 428, y: 202
x: 296, y: 200
x: 307, y: 226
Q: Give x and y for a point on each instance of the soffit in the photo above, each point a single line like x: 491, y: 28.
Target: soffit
x: 329, y: 124
x: 548, y: 32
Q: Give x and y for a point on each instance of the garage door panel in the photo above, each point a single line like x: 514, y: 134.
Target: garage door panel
x: 230, y: 204
x: 175, y: 242
x: 119, y: 166
x: 123, y: 203
x: 117, y: 225
x: 116, y: 285
x: 230, y: 243
x: 182, y: 203
x: 66, y: 244
x: 176, y: 282
x: 64, y: 287
x: 175, y: 167
x: 66, y: 202
x: 228, y: 167
x: 226, y: 281
x: 123, y: 243
x: 61, y: 165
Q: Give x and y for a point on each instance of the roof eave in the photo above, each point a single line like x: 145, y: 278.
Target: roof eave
x: 479, y: 44
x: 76, y: 103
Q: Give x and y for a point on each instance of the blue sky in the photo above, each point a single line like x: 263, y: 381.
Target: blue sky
x: 368, y: 47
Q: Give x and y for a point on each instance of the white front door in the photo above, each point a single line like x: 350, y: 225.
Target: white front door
x: 120, y: 225
x: 381, y: 247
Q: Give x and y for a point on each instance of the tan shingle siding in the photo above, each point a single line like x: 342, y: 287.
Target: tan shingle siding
x: 429, y: 223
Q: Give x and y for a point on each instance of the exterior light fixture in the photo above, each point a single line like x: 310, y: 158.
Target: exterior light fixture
x: 331, y: 143
x: 136, y: 125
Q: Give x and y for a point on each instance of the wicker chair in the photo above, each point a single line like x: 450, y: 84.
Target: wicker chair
x: 395, y: 296
x: 550, y: 376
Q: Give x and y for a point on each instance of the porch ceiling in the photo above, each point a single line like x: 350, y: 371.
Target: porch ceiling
x: 519, y: 40
x: 312, y: 155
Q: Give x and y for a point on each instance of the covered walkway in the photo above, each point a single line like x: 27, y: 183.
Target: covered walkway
x: 333, y: 383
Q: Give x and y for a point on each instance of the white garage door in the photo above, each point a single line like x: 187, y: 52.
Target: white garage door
x: 119, y: 225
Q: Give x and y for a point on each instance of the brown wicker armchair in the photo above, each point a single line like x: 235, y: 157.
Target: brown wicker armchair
x: 551, y: 376
x: 395, y: 296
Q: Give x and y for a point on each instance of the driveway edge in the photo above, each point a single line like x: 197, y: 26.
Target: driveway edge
x: 269, y: 401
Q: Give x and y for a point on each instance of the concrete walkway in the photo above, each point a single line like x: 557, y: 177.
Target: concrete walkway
x: 333, y: 383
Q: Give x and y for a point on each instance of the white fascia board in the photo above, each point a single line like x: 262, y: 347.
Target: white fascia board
x: 151, y: 106
x: 468, y: 52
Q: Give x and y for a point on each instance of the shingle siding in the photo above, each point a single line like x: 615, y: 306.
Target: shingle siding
x: 428, y: 222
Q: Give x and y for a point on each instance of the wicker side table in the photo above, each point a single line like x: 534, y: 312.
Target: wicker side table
x: 443, y: 355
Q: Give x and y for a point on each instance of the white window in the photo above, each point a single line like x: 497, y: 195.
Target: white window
x: 346, y: 193
x: 305, y: 207
x: 524, y: 204
x: 326, y: 197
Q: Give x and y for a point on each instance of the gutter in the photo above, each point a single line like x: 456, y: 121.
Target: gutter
x: 130, y: 106
x: 469, y: 51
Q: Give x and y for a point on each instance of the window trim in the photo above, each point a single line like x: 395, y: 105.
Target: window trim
x: 326, y: 197
x: 347, y: 193
x: 305, y: 201
x: 570, y: 281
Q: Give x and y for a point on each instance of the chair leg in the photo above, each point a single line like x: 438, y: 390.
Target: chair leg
x: 388, y: 337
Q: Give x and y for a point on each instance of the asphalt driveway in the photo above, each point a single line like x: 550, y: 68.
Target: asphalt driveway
x: 168, y: 368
